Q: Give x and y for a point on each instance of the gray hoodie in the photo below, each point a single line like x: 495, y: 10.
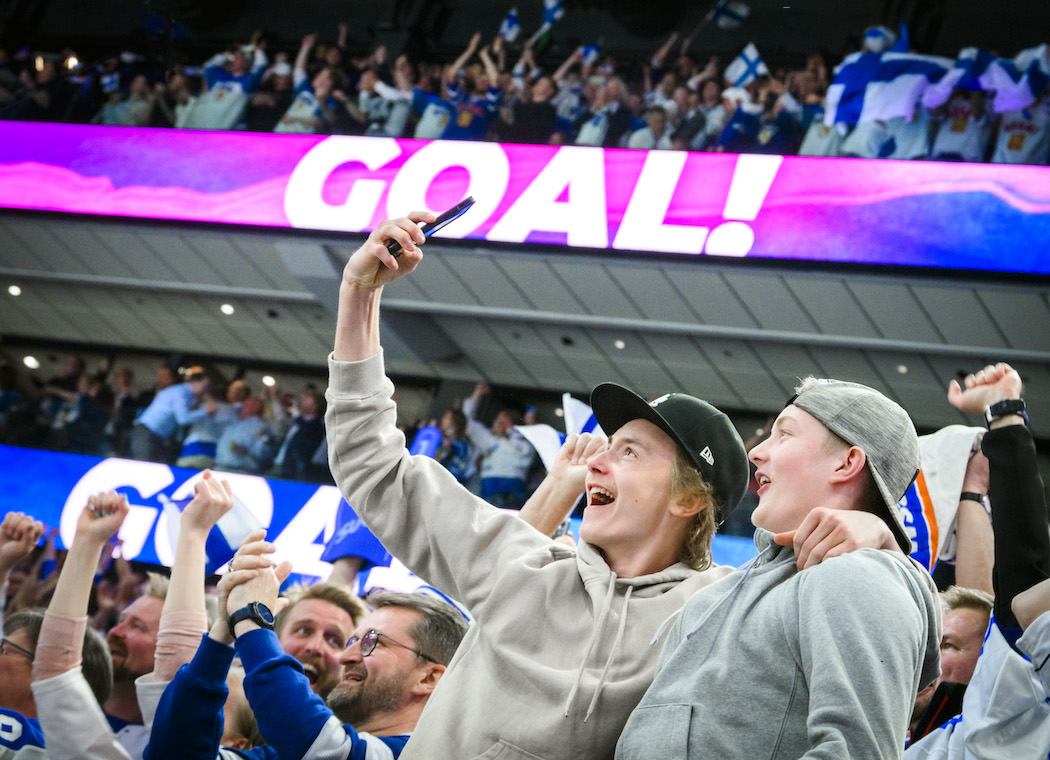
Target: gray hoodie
x: 773, y: 663
x: 561, y: 650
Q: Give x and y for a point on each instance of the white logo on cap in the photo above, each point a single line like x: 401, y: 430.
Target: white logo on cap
x: 660, y: 400
x: 707, y: 455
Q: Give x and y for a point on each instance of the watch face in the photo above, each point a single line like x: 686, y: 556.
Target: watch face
x: 264, y: 614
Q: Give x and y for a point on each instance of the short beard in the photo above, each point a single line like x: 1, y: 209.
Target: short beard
x: 371, y: 697
x: 121, y: 674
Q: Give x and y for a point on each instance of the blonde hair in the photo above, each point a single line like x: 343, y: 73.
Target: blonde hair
x: 687, y: 487
x: 157, y: 586
x: 333, y: 593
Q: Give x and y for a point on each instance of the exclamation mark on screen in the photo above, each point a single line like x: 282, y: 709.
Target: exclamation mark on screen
x: 752, y: 179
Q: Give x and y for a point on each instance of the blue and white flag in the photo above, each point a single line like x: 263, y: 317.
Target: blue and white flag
x: 224, y: 538
x: 729, y: 14
x: 552, y: 11
x: 1018, y: 82
x: 510, y: 28
x: 870, y: 86
x: 970, y: 68
x: 746, y: 67
x: 591, y: 54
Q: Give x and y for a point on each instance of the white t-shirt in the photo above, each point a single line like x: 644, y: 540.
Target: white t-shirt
x: 962, y: 132
x: 1024, y: 136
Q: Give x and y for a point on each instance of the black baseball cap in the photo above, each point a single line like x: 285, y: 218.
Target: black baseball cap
x: 706, y: 435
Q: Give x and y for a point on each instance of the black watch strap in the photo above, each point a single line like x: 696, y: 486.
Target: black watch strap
x: 1003, y: 408
x: 257, y: 612
x: 971, y: 496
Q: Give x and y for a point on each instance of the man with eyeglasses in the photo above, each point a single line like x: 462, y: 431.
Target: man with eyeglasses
x: 20, y: 733
x: 391, y: 665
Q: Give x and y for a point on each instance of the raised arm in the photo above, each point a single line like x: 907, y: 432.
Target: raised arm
x: 975, y: 551
x: 452, y: 70
x: 1019, y: 513
x: 18, y: 535
x: 184, y: 619
x: 563, y: 71
x: 70, y: 715
x: 370, y: 268
x: 554, y: 498
x: 660, y: 55
x: 303, y: 56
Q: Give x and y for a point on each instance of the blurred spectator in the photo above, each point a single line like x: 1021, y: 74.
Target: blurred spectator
x: 962, y: 633
x: 964, y: 133
x: 475, y: 95
x: 122, y: 412
x: 533, y: 118
x: 232, y: 78
x: 911, y: 139
x: 80, y: 425
x: 456, y: 452
x: 273, y: 100
x: 1024, y: 134
x: 153, y: 434
x: 245, y: 445
x: 505, y: 454
x: 45, y: 94
x: 606, y: 119
x: 176, y: 101
x: 655, y: 134
x: 313, y: 109
x: 294, y: 459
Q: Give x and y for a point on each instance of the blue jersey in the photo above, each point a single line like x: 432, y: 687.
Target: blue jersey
x: 20, y: 737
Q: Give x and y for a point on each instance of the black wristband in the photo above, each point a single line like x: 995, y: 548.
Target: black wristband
x: 1004, y: 408
x: 971, y: 496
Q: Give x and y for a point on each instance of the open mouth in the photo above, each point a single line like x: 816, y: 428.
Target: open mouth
x: 599, y: 497
x: 312, y: 674
x: 763, y: 481
x: 354, y: 675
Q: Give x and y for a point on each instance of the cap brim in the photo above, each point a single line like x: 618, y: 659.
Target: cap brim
x: 891, y: 514
x: 614, y: 406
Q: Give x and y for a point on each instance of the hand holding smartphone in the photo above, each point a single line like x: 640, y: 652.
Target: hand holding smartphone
x: 429, y: 229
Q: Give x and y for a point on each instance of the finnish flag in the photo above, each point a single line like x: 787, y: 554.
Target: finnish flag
x: 552, y: 11
x: 224, y: 538
x: 510, y: 28
x: 872, y: 86
x: 729, y: 14
x: 1016, y: 82
x: 746, y: 67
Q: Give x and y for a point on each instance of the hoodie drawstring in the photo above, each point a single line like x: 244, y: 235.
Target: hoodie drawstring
x: 612, y: 654
x: 599, y: 623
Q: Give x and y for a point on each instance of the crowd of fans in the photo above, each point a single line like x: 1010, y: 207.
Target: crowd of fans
x: 612, y: 645
x: 193, y: 420
x: 675, y: 99
x: 187, y: 420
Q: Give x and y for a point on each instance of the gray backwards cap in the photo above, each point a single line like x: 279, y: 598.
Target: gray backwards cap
x: 861, y: 416
x: 706, y: 436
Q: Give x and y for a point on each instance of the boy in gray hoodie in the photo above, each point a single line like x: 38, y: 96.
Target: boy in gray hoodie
x: 770, y: 662
x: 566, y: 639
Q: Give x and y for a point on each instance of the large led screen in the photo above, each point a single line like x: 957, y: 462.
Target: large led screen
x: 903, y: 213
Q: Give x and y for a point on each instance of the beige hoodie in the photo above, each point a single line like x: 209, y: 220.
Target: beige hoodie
x: 562, y: 649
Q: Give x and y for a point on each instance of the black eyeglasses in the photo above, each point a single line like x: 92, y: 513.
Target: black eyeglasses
x: 370, y: 639
x: 7, y: 644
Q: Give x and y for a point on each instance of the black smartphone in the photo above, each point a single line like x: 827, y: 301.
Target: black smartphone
x: 431, y: 227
